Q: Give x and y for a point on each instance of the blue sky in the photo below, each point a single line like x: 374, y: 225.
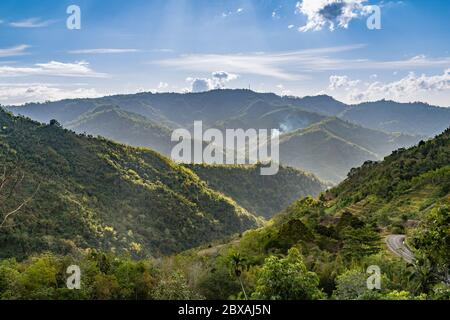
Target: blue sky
x: 288, y: 47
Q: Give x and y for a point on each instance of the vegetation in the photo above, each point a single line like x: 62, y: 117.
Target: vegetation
x: 336, y: 237
x: 313, y: 139
x: 261, y: 195
x: 93, y: 193
x: 107, y: 207
x: 331, y: 147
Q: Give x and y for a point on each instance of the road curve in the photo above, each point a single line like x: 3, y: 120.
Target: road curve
x: 396, y: 244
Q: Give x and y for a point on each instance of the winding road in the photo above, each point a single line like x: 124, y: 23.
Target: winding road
x: 396, y: 243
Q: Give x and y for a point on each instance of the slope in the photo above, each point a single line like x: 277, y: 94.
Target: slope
x: 341, y: 234
x: 330, y: 148
x: 86, y: 192
x: 124, y: 127
x: 261, y: 195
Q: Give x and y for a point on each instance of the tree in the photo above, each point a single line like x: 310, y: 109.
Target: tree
x: 287, y: 279
x: 433, y: 240
x: 237, y: 264
x: 10, y: 182
x: 360, y: 242
x: 55, y: 123
x: 350, y: 285
x: 173, y: 286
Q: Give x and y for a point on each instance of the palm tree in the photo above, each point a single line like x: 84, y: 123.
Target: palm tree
x: 422, y: 274
x: 237, y: 263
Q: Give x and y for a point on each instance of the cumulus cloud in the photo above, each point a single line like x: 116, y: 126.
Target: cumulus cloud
x: 163, y: 86
x: 52, y: 68
x: 331, y: 13
x: 218, y: 80
x: 16, y: 94
x: 406, y: 88
x: 201, y: 85
x: 338, y: 82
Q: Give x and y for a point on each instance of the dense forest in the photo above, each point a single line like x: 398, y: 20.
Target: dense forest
x: 261, y: 195
x: 316, y: 248
x: 82, y: 192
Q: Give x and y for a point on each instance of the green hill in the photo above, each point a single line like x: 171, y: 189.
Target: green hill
x: 341, y: 234
x: 410, y: 118
x: 85, y: 192
x: 261, y: 195
x: 124, y: 127
x: 312, y: 142
x: 330, y: 148
x: 181, y: 110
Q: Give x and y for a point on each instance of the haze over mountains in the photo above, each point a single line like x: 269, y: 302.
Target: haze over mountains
x: 315, y: 135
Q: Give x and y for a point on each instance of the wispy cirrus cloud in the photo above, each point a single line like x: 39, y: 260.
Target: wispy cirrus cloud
x: 52, y: 68
x: 293, y: 65
x: 14, y: 51
x: 32, y: 23
x: 278, y: 65
x: 104, y: 51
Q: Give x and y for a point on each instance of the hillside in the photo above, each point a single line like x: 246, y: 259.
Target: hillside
x: 332, y: 147
x: 260, y: 195
x: 124, y: 127
x: 311, y: 141
x: 334, y: 239
x: 390, y: 116
x: 81, y: 192
x: 401, y: 186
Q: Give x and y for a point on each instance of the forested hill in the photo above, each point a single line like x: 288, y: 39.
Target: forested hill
x: 80, y: 192
x: 404, y: 183
x: 329, y: 242
x: 262, y: 195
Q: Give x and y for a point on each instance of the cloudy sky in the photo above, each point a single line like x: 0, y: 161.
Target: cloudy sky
x: 288, y: 47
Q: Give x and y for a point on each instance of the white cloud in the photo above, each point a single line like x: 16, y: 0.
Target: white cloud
x: 293, y: 65
x: 338, y: 82
x: 103, y: 51
x: 406, y: 89
x: 334, y: 13
x: 52, y: 68
x: 16, y: 94
x: 14, y: 51
x: 283, y: 91
x: 32, y: 23
x: 291, y: 26
x: 201, y: 85
x: 163, y: 85
x: 217, y: 81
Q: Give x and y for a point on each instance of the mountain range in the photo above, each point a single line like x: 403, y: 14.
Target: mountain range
x: 80, y: 192
x: 318, y: 134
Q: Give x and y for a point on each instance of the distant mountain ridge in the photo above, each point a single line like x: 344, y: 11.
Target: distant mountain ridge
x: 176, y: 109
x: 147, y: 119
